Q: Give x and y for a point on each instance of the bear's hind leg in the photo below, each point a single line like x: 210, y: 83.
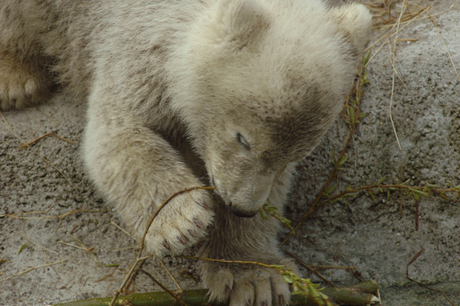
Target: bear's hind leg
x: 23, y: 82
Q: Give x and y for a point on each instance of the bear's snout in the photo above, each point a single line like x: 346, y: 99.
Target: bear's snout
x: 241, y: 214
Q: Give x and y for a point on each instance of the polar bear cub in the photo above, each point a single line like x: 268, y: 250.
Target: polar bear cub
x: 227, y: 93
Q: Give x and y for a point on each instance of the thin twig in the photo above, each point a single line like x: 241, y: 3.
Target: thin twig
x: 43, y: 136
x: 175, y: 296
x: 393, y: 59
x: 418, y: 17
x: 35, y: 243
x: 38, y: 267
x: 241, y: 262
x: 170, y: 275
x: 48, y: 116
x: 416, y: 256
x: 332, y: 267
x: 139, y: 259
x: 133, y: 267
x: 161, y: 207
x: 39, y: 155
x: 84, y: 247
x: 16, y: 215
x: 391, y: 187
x: 131, y: 281
x: 401, y: 194
x: 336, y: 256
x: 310, y: 268
x: 443, y: 42
x: 123, y: 230
x: 107, y: 276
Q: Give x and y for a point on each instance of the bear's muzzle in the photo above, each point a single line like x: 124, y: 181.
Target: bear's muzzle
x: 241, y: 214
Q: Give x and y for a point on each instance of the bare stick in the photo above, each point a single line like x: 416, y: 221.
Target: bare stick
x: 177, y: 298
x: 443, y: 42
x: 38, y: 267
x: 125, y: 281
x: 46, y: 160
x: 401, y: 194
x: 43, y: 136
x: 170, y: 275
x: 416, y: 256
x: 359, y: 294
x: 393, y: 59
x: 310, y: 268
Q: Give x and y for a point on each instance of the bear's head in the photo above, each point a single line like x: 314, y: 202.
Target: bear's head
x: 259, y: 82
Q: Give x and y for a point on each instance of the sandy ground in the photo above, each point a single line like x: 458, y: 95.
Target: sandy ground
x: 76, y: 239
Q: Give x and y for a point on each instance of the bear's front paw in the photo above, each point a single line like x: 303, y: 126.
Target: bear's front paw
x: 257, y: 286
x: 180, y: 224
x: 21, y: 85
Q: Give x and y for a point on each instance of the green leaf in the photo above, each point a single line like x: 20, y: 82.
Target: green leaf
x: 262, y: 213
x: 416, y: 197
x: 442, y: 195
x: 420, y: 192
x: 22, y: 248
x: 352, y: 114
x: 371, y: 194
x: 329, y: 190
x: 343, y: 160
x: 367, y: 55
x: 287, y: 279
x: 364, y: 78
x: 362, y: 115
x: 407, y: 192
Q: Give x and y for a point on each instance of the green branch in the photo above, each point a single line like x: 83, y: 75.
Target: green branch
x: 359, y: 294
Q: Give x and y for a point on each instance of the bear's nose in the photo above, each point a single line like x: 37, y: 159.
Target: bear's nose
x: 239, y: 213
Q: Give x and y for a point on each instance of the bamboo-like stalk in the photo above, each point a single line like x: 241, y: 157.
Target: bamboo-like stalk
x: 359, y: 294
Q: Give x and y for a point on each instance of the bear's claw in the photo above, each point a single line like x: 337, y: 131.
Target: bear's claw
x: 180, y: 224
x: 258, y: 286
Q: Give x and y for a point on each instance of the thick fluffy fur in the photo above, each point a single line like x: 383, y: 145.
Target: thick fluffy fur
x: 190, y: 93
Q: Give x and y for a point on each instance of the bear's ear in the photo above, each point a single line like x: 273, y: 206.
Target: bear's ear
x: 238, y: 23
x: 355, y: 21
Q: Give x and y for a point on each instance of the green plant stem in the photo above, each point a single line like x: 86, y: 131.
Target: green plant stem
x: 314, y: 207
x: 391, y: 187
x: 426, y: 191
x: 359, y: 294
x: 353, y: 123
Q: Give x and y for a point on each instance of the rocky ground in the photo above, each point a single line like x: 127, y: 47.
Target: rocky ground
x: 74, y: 248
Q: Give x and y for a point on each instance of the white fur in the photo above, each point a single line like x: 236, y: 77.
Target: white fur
x: 191, y: 93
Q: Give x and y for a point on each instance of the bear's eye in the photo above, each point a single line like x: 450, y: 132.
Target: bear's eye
x: 243, y: 141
